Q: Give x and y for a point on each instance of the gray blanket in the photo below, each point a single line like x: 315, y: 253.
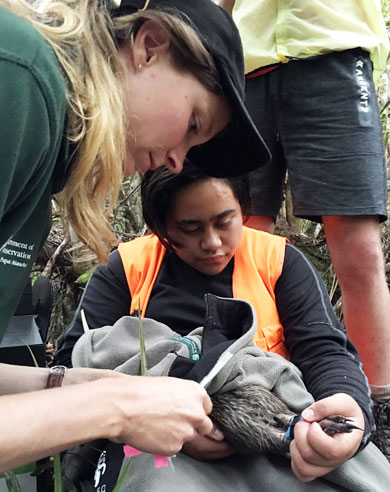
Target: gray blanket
x: 117, y: 347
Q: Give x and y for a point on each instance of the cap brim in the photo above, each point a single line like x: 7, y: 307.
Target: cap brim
x: 239, y: 148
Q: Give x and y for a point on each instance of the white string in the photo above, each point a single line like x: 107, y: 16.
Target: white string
x: 84, y: 321
x: 224, y: 359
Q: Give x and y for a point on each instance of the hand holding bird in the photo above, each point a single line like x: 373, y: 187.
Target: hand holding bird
x: 254, y: 420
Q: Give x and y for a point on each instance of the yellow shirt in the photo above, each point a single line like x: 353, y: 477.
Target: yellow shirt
x: 274, y: 30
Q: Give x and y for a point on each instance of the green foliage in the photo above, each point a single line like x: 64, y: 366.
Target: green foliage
x: 84, y: 277
x: 144, y: 369
x: 144, y: 363
x: 12, y: 482
x: 33, y: 356
x: 57, y: 473
x: 386, y: 12
x: 123, y: 476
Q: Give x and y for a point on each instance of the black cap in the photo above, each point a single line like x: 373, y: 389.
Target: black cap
x: 239, y: 148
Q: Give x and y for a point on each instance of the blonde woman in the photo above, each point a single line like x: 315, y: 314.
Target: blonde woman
x: 92, y: 90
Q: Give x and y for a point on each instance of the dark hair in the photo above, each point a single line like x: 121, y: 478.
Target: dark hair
x: 159, y: 188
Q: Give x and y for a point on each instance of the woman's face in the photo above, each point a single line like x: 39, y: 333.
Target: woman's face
x: 168, y: 113
x: 206, y: 220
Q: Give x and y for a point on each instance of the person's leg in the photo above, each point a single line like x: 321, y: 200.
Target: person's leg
x: 356, y: 253
x: 261, y: 223
x: 337, y: 171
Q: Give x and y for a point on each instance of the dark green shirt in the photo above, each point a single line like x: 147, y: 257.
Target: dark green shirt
x: 32, y: 144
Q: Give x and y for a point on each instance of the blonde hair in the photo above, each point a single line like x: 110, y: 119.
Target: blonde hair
x: 84, y: 38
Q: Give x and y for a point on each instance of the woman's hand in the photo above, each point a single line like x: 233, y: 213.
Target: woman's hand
x: 159, y: 414
x: 210, y: 447
x: 313, y: 452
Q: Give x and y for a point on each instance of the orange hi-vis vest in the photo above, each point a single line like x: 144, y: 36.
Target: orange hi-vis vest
x: 258, y: 263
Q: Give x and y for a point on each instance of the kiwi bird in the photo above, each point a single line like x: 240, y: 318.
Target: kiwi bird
x: 254, y: 420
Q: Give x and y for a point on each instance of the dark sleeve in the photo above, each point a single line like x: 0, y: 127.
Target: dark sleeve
x: 105, y: 300
x: 316, y: 341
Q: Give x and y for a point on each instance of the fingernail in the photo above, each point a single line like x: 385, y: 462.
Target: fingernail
x: 308, y: 414
x: 217, y: 434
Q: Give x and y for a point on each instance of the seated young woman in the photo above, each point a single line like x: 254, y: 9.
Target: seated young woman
x: 199, y: 245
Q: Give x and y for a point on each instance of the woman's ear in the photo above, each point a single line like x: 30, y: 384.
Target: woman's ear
x: 151, y: 42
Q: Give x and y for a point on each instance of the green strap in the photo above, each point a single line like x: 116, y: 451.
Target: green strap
x: 192, y: 346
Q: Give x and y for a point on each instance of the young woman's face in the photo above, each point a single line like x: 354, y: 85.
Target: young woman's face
x: 168, y: 113
x: 206, y: 220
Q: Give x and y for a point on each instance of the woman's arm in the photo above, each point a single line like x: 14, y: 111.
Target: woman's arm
x: 331, y: 370
x: 105, y: 300
x: 317, y: 344
x: 16, y: 379
x: 155, y: 415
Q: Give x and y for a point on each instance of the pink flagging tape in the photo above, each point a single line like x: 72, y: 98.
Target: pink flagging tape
x: 159, y: 461
x: 130, y: 451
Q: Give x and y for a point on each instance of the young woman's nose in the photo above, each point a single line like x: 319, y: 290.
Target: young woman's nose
x: 211, y: 240
x: 175, y: 158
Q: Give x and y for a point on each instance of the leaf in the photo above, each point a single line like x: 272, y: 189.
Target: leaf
x: 84, y: 277
x: 57, y: 473
x: 12, y: 482
x: 144, y: 369
x: 144, y: 362
x: 32, y: 355
x: 119, y: 483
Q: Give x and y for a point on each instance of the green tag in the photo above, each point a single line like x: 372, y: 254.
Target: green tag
x: 192, y: 346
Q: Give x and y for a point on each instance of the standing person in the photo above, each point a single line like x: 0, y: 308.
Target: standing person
x: 311, y: 67
x: 90, y: 92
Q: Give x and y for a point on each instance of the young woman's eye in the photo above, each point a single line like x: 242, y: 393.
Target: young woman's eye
x: 193, y: 125
x: 225, y: 224
x: 190, y: 232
